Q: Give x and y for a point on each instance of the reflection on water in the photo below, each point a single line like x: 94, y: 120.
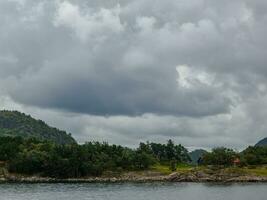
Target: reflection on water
x: 127, y: 191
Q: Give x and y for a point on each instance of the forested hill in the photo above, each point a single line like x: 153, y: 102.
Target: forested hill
x: 263, y: 142
x: 14, y: 123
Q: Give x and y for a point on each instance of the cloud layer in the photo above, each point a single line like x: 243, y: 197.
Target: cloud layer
x: 194, y: 70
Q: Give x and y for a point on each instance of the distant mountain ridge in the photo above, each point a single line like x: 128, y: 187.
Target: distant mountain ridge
x: 262, y: 142
x: 14, y: 123
x: 196, y: 154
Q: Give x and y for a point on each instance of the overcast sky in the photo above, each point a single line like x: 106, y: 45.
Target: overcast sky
x: 126, y: 71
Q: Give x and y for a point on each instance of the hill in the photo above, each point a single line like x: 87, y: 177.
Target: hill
x: 14, y: 123
x: 263, y: 142
x: 196, y: 154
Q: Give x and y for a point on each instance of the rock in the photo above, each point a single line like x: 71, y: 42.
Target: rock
x: 173, y: 176
x: 113, y: 180
x: 192, y: 178
x: 2, y: 180
x: 201, y: 174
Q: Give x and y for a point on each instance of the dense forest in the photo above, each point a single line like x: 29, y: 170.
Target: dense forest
x: 45, y: 158
x: 253, y: 155
x: 29, y: 146
x: 14, y: 123
x: 31, y: 156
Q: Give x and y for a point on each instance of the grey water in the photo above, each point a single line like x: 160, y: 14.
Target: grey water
x: 127, y: 191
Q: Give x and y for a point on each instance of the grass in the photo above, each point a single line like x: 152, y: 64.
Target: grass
x: 258, y: 171
x: 183, y: 168
x: 164, y: 169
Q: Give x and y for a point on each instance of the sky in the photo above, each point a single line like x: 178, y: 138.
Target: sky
x: 123, y: 71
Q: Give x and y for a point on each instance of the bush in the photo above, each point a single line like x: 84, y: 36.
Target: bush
x: 220, y: 157
x: 173, y: 165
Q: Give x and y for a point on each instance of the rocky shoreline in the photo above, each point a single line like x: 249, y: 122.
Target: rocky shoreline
x: 197, y: 177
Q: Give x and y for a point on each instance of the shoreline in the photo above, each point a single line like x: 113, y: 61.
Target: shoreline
x: 174, y: 177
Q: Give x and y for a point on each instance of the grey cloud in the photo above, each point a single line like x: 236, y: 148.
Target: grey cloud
x: 118, y: 61
x: 93, y: 75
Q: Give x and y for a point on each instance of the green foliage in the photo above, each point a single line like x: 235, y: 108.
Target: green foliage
x: 143, y: 160
x: 31, y: 156
x: 9, y: 147
x: 45, y: 158
x: 165, y: 153
x: 30, y: 146
x: 220, y: 156
x: 254, y: 155
x: 173, y: 165
x: 14, y: 123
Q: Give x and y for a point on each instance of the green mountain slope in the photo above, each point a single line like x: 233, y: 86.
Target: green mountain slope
x: 263, y: 142
x: 14, y: 123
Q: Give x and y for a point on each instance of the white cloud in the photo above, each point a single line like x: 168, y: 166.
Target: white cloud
x: 88, y: 24
x: 190, y: 77
x: 146, y: 24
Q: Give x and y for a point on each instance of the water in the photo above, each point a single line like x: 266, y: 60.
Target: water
x: 147, y: 191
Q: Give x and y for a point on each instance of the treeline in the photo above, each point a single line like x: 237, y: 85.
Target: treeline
x: 253, y: 155
x: 31, y: 156
x: 45, y: 158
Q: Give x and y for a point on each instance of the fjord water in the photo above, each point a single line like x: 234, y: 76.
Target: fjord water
x: 127, y: 191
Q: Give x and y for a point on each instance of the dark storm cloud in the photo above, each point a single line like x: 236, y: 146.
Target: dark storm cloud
x: 105, y: 61
x: 193, y: 62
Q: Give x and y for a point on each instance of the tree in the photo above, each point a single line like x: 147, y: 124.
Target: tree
x: 220, y: 156
x: 32, y: 156
x: 173, y: 165
x: 142, y: 160
x: 254, y: 155
x: 170, y: 150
